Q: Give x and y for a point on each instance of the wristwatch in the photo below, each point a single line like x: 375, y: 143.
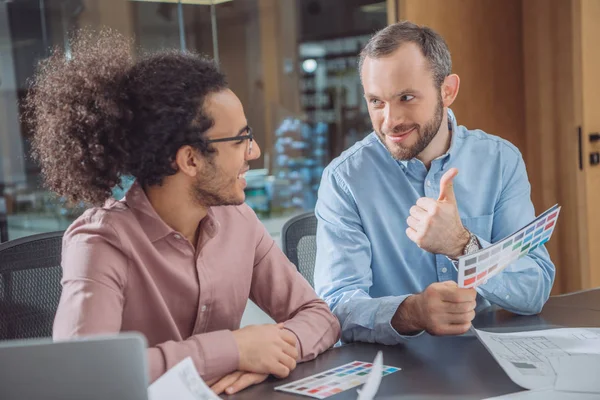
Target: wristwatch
x: 472, y: 245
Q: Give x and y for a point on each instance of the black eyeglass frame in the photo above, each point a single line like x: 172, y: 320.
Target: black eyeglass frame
x: 239, y: 138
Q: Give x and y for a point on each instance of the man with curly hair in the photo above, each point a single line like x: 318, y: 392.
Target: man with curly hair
x: 179, y: 256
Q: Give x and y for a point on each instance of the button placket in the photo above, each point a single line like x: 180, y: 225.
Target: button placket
x: 203, y: 298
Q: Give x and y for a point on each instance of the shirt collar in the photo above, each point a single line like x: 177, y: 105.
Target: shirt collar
x: 153, y: 224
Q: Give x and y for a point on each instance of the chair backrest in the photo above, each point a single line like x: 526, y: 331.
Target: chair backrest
x: 299, y: 243
x: 30, y: 288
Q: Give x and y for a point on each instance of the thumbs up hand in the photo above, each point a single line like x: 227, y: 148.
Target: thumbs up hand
x: 435, y: 225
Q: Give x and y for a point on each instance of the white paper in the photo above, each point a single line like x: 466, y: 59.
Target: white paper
x: 371, y: 386
x: 339, y: 379
x: 531, y: 358
x: 579, y: 373
x: 181, y: 382
x: 546, y: 394
x: 475, y: 269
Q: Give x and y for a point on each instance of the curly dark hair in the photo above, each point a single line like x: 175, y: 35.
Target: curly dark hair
x: 98, y: 114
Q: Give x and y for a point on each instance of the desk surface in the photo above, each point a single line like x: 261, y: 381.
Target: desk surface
x: 434, y: 367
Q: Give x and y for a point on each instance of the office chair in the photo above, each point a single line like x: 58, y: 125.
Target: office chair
x: 298, y: 240
x: 30, y: 275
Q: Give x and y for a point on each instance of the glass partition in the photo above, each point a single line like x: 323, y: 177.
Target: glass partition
x: 292, y: 64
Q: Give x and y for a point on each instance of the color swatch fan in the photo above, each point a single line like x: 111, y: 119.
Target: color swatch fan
x: 337, y: 380
x: 475, y: 269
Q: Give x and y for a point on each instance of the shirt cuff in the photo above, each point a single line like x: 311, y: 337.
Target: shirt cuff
x: 386, y: 312
x: 298, y: 344
x: 483, y: 243
x: 219, y: 353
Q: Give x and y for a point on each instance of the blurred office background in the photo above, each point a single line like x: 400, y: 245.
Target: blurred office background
x: 527, y: 67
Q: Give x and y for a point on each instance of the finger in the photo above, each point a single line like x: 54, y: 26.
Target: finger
x: 280, y: 370
x: 459, y: 319
x: 427, y: 204
x: 289, y: 337
x: 459, y: 308
x: 291, y: 351
x: 412, y: 235
x: 247, y: 379
x: 225, y: 382
x: 212, y: 382
x: 288, y: 361
x: 452, y: 329
x: 447, y: 186
x: 456, y: 294
x: 418, y: 212
x: 450, y: 284
x: 459, y: 329
x: 413, y: 222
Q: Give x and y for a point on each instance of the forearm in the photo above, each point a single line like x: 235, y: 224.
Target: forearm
x: 214, y: 354
x: 316, y: 329
x: 370, y: 320
x: 406, y: 320
x: 524, y: 286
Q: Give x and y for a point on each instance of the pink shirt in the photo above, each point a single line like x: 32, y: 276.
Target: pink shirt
x: 124, y: 269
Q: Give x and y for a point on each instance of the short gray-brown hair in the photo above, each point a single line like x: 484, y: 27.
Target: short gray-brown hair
x: 432, y: 45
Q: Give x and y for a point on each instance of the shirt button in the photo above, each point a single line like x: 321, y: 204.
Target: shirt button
x: 444, y: 270
x: 203, y: 308
x: 178, y: 237
x: 507, y: 297
x: 428, y: 183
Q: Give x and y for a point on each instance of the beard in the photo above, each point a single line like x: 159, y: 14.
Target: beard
x: 425, y: 133
x: 213, y: 189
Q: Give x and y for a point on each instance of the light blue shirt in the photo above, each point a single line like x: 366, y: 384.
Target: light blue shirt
x: 366, y: 265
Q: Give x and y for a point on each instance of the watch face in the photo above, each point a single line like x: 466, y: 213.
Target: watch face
x: 472, y: 246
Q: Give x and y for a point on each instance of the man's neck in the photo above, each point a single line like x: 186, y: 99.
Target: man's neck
x: 174, y: 206
x: 439, y: 145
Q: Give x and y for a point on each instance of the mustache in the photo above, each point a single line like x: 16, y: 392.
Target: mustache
x: 402, y: 128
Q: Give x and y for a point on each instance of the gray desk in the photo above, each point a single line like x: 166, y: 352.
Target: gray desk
x: 436, y: 367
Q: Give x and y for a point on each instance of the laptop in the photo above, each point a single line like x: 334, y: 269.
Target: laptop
x: 90, y: 368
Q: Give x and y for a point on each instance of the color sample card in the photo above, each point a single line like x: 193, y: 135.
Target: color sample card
x: 475, y: 269
x: 333, y: 381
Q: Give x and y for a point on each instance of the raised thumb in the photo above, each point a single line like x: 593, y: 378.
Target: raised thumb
x: 447, y: 186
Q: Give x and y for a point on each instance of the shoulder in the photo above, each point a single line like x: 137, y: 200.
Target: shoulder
x: 479, y: 143
x: 358, y: 162
x: 237, y: 218
x: 100, y: 224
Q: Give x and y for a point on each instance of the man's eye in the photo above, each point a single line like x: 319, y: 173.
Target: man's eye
x: 407, y: 97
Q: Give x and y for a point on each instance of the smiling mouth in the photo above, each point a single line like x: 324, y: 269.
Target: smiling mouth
x: 404, y: 133
x: 243, y: 174
x: 402, y: 136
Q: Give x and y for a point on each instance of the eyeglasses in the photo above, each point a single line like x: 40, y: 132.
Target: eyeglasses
x: 249, y: 136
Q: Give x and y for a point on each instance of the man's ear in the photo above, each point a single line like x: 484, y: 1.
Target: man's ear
x: 187, y: 161
x: 449, y: 89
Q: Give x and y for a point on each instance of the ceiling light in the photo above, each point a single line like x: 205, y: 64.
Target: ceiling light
x: 195, y: 2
